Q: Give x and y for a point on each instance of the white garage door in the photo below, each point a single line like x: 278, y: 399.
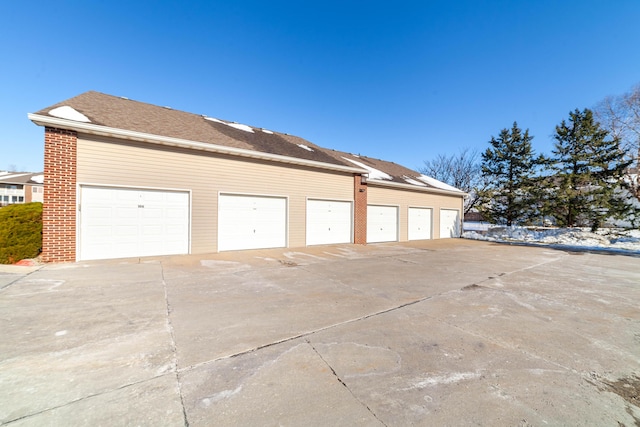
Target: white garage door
x: 328, y: 222
x: 129, y: 222
x: 449, y: 223
x: 419, y: 223
x: 382, y: 223
x: 251, y: 222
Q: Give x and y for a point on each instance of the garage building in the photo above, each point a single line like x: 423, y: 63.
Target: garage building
x: 129, y: 179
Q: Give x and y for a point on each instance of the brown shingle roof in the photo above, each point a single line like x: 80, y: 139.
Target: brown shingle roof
x: 122, y: 113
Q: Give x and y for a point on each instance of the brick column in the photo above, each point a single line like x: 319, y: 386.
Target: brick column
x: 59, y: 208
x: 360, y: 211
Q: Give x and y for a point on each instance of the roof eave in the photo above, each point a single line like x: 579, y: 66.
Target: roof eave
x: 94, y: 129
x: 383, y: 183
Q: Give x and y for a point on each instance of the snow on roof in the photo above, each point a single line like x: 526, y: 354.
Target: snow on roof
x: 438, y: 184
x: 21, y: 177
x: 12, y: 175
x: 66, y: 112
x: 240, y: 126
x: 38, y: 179
x: 305, y: 147
x: 232, y: 124
x: 373, y: 172
x: 413, y: 181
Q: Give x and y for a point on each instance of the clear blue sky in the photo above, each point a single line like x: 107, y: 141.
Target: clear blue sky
x: 402, y: 80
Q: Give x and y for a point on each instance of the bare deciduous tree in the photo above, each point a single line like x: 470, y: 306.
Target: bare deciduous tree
x: 620, y: 115
x: 461, y: 170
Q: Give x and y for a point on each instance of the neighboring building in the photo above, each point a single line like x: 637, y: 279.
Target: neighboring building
x: 20, y: 187
x: 129, y: 179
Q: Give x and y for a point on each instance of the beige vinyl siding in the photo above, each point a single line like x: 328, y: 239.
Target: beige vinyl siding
x: 107, y: 161
x: 418, y: 199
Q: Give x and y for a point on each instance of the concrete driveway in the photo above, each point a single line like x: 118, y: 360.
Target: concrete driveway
x: 449, y: 332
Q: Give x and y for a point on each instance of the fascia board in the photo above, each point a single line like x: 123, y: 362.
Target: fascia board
x: 382, y: 183
x: 94, y: 129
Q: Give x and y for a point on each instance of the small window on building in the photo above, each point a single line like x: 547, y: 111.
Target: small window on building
x: 14, y: 199
x: 20, y: 199
x: 5, y: 198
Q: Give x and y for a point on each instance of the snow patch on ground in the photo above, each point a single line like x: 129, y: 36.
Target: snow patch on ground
x: 223, y: 395
x: 451, y: 378
x: 603, y: 239
x: 476, y: 226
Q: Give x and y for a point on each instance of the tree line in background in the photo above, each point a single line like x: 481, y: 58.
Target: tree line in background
x: 591, y: 176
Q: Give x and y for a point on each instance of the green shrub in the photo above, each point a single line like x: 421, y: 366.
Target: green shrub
x: 20, y: 232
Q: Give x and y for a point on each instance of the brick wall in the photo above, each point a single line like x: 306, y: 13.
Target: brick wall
x: 360, y: 211
x: 59, y: 209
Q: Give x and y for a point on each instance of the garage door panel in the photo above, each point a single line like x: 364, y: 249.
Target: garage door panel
x: 126, y: 222
x: 251, y: 222
x: 419, y: 223
x: 99, y: 212
x: 152, y: 214
x: 99, y: 233
x: 449, y: 223
x: 125, y: 232
x: 382, y: 223
x: 328, y: 222
x: 175, y: 213
x: 152, y: 231
x: 152, y: 196
x: 175, y: 198
x: 122, y: 212
x: 123, y: 195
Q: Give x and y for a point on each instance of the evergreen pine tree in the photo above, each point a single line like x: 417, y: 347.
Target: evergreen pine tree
x: 509, y: 166
x: 587, y: 169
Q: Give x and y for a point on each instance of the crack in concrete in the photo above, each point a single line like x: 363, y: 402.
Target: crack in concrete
x: 82, y: 399
x: 306, y: 334
x: 179, y: 371
x: 501, y: 343
x: 174, y: 348
x: 335, y: 374
x: 497, y: 342
x: 349, y: 321
x: 17, y: 279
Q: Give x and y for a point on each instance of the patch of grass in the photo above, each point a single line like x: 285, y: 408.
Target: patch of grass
x: 20, y: 232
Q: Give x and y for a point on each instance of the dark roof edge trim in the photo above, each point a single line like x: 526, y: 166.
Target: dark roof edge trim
x: 94, y: 129
x: 382, y: 183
